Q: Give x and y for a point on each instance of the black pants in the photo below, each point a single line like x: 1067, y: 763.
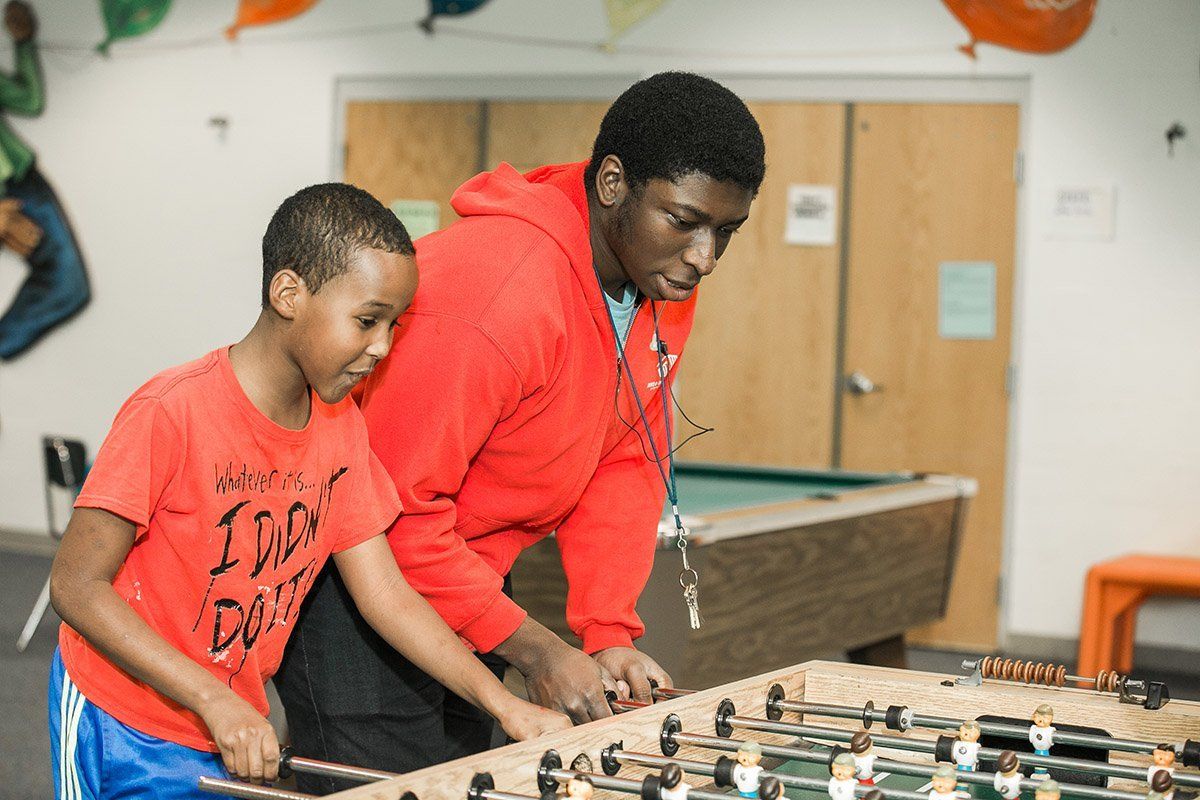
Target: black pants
x: 350, y: 698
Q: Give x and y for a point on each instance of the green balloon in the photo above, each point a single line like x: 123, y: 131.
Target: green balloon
x: 125, y: 19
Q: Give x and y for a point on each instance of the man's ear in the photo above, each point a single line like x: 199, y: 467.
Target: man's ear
x: 287, y: 291
x: 611, y: 185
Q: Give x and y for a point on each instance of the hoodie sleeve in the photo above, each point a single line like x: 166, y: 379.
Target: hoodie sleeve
x: 608, y: 541
x: 426, y: 440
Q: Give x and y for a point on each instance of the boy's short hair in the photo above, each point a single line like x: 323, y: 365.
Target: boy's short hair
x: 677, y: 123
x: 316, y: 232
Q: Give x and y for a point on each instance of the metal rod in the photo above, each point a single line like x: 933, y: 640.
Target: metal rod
x: 925, y: 746
x: 601, y: 781
x: 492, y: 794
x: 797, y: 781
x: 898, y: 767
x: 669, y: 693
x: 249, y: 790
x: 621, y: 706
x: 328, y: 769
x: 949, y: 723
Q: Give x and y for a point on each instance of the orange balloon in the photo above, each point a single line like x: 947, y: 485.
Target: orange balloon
x: 264, y: 12
x: 1033, y: 26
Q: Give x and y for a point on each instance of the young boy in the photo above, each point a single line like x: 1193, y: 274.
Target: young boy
x: 221, y: 490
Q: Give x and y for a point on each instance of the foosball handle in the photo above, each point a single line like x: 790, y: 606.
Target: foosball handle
x: 1191, y: 753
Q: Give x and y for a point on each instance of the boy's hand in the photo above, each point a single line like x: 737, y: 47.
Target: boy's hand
x: 248, y: 743
x: 634, y: 669
x: 526, y: 721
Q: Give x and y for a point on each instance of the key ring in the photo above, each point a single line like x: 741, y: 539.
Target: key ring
x: 684, y: 582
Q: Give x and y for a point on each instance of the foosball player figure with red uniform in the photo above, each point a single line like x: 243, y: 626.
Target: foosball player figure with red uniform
x: 863, y: 751
x: 841, y: 785
x: 943, y: 783
x: 1041, y: 736
x: 1007, y: 781
x: 671, y: 785
x: 747, y: 773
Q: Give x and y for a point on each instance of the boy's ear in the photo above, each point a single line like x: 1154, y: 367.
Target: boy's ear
x: 287, y: 290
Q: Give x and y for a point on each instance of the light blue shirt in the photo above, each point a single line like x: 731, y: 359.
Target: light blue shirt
x: 622, y: 309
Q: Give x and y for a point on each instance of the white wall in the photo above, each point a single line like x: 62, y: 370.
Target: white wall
x: 1107, y: 444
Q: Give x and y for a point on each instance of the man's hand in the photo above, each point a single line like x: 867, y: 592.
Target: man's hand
x: 526, y: 721
x: 557, y: 675
x: 248, y: 743
x: 19, y: 21
x: 634, y: 669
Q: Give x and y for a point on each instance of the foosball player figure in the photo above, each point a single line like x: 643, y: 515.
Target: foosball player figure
x: 747, y: 772
x: 1048, y: 790
x: 863, y: 750
x: 1163, y: 783
x: 671, y: 785
x: 1041, y: 736
x: 1007, y: 781
x: 966, y: 749
x: 943, y: 783
x: 841, y: 785
x: 1164, y: 761
x: 580, y: 787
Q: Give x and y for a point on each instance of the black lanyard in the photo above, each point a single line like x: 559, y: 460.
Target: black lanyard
x: 688, y: 578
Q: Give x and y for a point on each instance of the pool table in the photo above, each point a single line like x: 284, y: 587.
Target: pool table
x: 794, y: 564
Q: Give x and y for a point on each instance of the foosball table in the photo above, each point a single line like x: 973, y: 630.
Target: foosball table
x: 840, y: 731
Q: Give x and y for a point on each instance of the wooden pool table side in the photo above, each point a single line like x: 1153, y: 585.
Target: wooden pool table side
x: 789, y: 582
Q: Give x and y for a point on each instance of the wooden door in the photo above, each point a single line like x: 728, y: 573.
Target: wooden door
x: 412, y: 150
x: 933, y: 184
x: 759, y: 364
x: 531, y: 134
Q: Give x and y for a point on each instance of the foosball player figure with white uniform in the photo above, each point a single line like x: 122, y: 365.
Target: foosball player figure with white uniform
x: 1164, y: 761
x: 1007, y: 781
x: 841, y: 785
x: 1041, y: 736
x: 671, y: 785
x: 966, y: 749
x: 747, y: 773
x: 580, y: 787
x: 943, y: 782
x: 1164, y: 784
x: 863, y: 750
x: 1048, y: 790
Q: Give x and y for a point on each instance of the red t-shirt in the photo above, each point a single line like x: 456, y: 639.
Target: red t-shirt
x: 235, y: 516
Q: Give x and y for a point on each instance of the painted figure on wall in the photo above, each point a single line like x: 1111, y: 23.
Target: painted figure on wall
x: 32, y: 222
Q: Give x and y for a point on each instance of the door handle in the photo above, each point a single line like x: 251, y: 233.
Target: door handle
x: 858, y: 383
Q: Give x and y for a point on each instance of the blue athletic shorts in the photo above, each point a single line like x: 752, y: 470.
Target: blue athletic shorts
x: 95, y: 757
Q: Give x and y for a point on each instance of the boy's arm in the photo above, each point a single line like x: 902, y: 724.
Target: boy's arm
x: 409, y: 624
x: 92, y: 551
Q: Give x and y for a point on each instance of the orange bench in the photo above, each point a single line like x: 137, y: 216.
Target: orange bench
x: 1114, y: 592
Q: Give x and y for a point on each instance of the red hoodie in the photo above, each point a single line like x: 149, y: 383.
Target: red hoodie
x: 495, y: 414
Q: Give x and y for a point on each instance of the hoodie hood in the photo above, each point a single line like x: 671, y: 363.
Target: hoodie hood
x: 551, y: 198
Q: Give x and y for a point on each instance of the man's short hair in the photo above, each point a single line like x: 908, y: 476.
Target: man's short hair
x: 676, y: 123
x: 316, y: 232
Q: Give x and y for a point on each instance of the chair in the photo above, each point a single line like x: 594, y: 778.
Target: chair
x: 1114, y: 592
x: 65, y: 467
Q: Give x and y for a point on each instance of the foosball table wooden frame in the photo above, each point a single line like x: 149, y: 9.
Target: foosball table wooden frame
x: 514, y: 768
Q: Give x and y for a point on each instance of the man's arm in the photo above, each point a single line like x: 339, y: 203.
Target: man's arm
x: 412, y: 627
x: 426, y: 432
x: 607, y: 545
x: 92, y: 551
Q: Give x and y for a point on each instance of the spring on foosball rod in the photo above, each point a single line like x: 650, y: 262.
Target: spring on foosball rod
x: 1023, y: 671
